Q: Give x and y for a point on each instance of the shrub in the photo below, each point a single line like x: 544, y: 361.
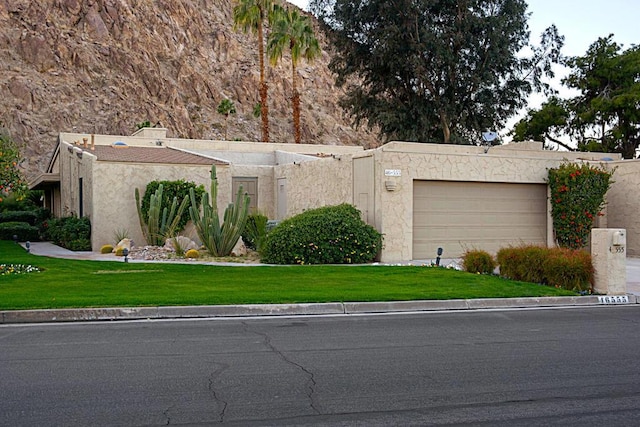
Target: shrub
x: 255, y: 231
x: 327, y: 235
x: 569, y: 268
x: 29, y: 217
x: 192, y: 253
x: 577, y: 196
x: 524, y: 263
x: 560, y: 267
x: 170, y: 189
x: 22, y: 230
x: 106, y: 249
x: 70, y: 232
x: 120, y: 252
x: 477, y: 261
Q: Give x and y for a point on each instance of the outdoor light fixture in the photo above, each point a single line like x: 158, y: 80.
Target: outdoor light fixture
x: 438, y: 257
x: 28, y: 245
x: 125, y: 252
x: 15, y: 238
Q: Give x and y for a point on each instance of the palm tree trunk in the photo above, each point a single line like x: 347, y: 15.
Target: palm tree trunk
x: 295, y: 101
x: 264, y: 107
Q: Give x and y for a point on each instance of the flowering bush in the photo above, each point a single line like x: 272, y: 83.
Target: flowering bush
x: 577, y: 197
x: 7, y: 269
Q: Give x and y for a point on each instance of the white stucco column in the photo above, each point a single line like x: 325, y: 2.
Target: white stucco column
x: 609, y: 255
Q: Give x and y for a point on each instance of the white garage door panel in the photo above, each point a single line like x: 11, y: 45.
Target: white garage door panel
x: 475, y: 215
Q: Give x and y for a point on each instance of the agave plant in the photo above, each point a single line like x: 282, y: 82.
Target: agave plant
x: 219, y: 239
x: 161, y: 222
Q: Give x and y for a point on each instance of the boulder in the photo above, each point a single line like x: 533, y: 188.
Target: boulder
x: 183, y: 242
x: 124, y: 244
x: 240, y: 249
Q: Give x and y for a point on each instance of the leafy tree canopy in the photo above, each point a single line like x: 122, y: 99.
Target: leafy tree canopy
x: 435, y: 71
x: 605, y: 116
x: 12, y: 181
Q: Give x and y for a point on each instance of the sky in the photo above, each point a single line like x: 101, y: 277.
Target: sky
x: 581, y: 22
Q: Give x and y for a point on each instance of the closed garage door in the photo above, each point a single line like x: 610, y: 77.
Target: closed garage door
x: 457, y: 216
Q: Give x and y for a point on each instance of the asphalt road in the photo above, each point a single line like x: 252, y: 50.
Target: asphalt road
x: 531, y: 367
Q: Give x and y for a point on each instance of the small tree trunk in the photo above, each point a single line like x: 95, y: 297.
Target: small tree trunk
x: 295, y: 101
x: 264, y: 108
x: 446, y: 132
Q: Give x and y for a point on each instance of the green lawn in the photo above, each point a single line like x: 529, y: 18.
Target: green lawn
x: 70, y: 283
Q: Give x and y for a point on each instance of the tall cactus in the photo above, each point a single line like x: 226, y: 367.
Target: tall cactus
x: 157, y: 227
x: 219, y: 239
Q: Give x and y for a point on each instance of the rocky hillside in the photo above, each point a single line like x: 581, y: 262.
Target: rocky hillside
x: 105, y: 65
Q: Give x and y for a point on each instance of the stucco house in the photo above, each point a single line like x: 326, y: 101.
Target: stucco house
x: 420, y: 196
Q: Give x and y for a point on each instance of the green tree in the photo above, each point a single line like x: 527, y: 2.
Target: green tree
x: 225, y: 108
x: 12, y: 181
x: 605, y: 115
x: 250, y: 15
x: 427, y: 70
x: 607, y: 109
x: 294, y: 32
x: 548, y: 123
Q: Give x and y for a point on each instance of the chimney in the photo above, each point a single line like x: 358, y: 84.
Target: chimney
x: 84, y: 142
x: 93, y: 142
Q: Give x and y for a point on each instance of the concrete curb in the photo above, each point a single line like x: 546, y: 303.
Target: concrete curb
x: 258, y: 310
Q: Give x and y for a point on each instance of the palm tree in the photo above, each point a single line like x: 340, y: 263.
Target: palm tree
x: 294, y: 31
x: 225, y: 108
x: 249, y: 15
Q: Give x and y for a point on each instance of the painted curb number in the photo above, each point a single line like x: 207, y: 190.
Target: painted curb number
x: 617, y: 299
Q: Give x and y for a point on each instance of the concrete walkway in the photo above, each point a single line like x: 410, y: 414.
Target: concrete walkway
x: 252, y: 310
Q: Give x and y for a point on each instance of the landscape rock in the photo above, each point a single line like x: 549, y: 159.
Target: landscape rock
x: 240, y: 249
x: 124, y: 244
x: 184, y: 243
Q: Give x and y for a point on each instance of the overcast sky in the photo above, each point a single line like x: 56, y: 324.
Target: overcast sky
x: 581, y: 22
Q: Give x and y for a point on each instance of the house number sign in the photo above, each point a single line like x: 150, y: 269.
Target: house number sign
x: 392, y: 172
x: 615, y: 299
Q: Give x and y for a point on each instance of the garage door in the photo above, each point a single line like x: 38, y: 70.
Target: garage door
x: 457, y: 216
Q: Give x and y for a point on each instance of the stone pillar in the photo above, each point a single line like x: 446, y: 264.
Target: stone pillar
x: 609, y: 254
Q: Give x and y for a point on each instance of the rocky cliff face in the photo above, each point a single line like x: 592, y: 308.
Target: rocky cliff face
x: 102, y: 66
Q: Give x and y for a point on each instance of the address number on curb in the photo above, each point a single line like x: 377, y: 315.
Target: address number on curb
x: 617, y: 299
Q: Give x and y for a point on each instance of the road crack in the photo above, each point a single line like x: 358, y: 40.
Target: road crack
x: 216, y: 395
x: 311, y: 382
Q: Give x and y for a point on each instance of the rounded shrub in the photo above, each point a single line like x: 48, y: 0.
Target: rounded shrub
x: 570, y: 269
x: 106, y: 249
x: 29, y: 217
x: 120, y: 252
x: 192, y: 253
x: 327, y: 235
x: 524, y: 263
x: 477, y: 261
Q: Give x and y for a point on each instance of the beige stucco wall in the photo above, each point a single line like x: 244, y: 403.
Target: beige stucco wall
x: 266, y: 186
x: 114, y: 206
x: 72, y: 168
x: 623, y: 202
x: 323, y: 182
x: 394, y: 209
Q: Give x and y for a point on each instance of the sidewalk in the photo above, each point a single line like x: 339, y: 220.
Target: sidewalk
x: 256, y: 310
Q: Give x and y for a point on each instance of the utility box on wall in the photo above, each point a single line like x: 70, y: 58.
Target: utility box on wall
x: 609, y: 254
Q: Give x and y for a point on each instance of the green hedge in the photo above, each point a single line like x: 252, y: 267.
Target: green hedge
x: 328, y: 235
x: 29, y: 217
x: 24, y: 231
x: 70, y: 232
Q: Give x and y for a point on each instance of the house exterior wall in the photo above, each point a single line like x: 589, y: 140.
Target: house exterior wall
x: 323, y: 182
x: 114, y: 205
x: 623, y: 202
x: 266, y: 187
x: 72, y: 169
x: 394, y: 209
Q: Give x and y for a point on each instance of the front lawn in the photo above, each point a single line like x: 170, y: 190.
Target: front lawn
x: 65, y: 283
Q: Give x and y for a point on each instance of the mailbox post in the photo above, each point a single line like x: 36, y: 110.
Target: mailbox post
x: 609, y: 255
